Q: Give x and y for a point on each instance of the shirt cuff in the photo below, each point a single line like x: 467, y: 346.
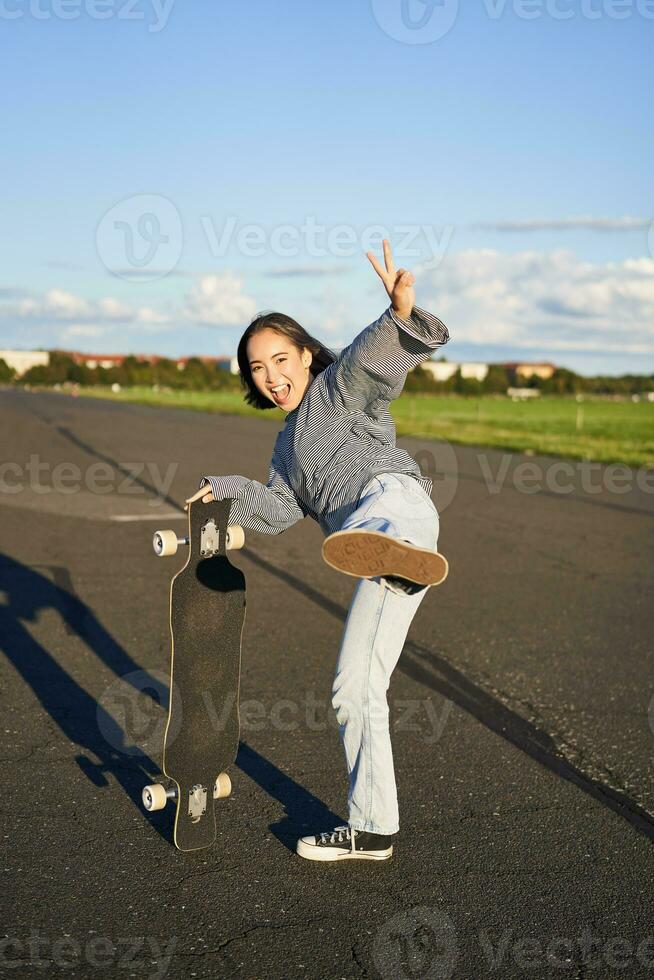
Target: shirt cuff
x: 224, y: 487
x: 423, y: 326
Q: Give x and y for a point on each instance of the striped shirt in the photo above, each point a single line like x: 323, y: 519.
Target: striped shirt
x: 341, y: 434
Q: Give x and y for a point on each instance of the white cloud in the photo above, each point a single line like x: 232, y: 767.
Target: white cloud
x: 113, y: 309
x: 552, y: 300
x: 55, y: 303
x: 59, y: 305
x: 83, y: 330
x: 219, y: 300
x: 147, y: 315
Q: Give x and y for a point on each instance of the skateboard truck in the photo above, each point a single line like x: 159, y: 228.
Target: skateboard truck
x: 166, y: 542
x: 197, y: 802
x: 155, y: 796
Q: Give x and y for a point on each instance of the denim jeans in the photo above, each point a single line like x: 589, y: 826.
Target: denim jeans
x: 375, y: 630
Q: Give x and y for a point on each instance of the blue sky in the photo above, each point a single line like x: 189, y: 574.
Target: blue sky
x: 505, y: 147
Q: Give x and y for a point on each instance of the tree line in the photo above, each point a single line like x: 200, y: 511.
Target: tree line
x: 198, y: 375
x: 499, y: 379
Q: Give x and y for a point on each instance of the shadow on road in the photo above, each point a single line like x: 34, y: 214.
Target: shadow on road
x: 304, y: 811
x: 80, y: 718
x: 432, y: 670
x: 107, y: 749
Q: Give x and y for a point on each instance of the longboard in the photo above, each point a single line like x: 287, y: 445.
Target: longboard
x: 207, y: 613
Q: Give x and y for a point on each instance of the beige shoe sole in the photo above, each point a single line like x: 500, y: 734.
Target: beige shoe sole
x: 314, y: 853
x: 369, y: 554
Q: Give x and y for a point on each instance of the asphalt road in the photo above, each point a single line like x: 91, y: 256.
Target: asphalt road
x: 521, y: 710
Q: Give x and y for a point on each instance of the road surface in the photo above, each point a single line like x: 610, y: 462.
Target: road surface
x: 522, y: 717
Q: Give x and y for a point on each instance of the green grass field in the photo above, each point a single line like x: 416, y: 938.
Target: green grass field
x: 596, y: 430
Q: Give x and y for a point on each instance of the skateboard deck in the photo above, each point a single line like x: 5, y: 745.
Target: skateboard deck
x: 207, y: 613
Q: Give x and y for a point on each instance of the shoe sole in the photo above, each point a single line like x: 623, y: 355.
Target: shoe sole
x: 369, y: 554
x: 313, y: 853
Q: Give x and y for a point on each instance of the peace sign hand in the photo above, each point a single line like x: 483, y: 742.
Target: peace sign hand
x: 399, y: 284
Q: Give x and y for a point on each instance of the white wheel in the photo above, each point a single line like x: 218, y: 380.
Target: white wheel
x: 235, y: 537
x: 154, y: 797
x: 222, y: 787
x: 164, y: 543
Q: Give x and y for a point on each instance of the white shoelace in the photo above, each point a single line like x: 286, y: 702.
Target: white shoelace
x: 337, y: 836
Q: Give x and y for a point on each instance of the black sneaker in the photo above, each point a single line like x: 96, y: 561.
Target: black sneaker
x: 342, y: 844
x: 404, y: 584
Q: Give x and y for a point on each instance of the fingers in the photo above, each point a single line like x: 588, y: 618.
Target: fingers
x: 205, y: 500
x: 402, y: 279
x: 388, y: 257
x: 196, y: 496
x: 376, y: 266
x: 389, y: 273
x: 204, y: 494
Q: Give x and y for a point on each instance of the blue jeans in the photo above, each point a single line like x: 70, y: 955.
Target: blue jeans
x: 375, y: 630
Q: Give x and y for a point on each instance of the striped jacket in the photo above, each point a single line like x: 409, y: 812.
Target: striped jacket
x: 341, y: 434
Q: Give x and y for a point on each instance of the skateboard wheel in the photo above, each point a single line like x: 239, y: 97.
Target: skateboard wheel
x: 235, y: 537
x: 222, y: 787
x: 164, y: 543
x: 154, y: 797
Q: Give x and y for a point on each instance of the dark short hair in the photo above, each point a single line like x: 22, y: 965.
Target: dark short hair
x: 287, y: 327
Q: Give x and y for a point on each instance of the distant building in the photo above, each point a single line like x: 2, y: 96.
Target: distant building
x: 472, y: 370
x: 22, y: 360
x: 93, y: 361
x: 440, y: 370
x: 529, y: 369
x: 444, y: 370
x: 518, y: 394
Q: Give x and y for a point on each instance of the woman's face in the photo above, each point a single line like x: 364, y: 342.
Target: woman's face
x: 279, y: 370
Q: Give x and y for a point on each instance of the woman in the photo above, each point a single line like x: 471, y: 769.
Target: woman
x: 336, y: 461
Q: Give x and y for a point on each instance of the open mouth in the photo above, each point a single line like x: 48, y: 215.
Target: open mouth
x: 282, y: 395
